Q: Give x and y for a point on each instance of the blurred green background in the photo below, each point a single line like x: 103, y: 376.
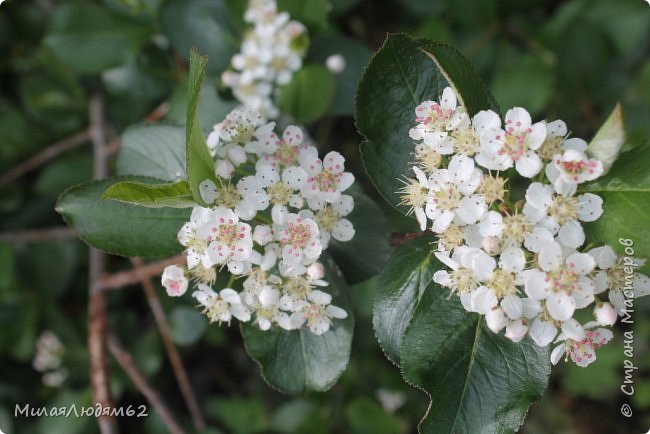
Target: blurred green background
x: 560, y: 59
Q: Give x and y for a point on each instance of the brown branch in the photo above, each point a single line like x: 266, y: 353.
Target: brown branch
x: 45, y: 155
x: 131, y: 277
x: 399, y: 238
x: 36, y: 235
x: 97, y: 318
x: 72, y: 142
x: 172, y: 351
x: 125, y: 360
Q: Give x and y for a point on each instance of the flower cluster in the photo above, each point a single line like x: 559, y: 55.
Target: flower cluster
x: 274, y: 207
x: 49, y: 352
x: 516, y: 256
x: 270, y: 53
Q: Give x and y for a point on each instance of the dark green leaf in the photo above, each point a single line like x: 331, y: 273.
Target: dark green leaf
x: 241, y: 416
x: 64, y: 172
x: 528, y: 82
x: 157, y: 151
x: 172, y: 195
x: 203, y: 24
x: 371, y: 238
x: 356, y: 57
x: 6, y: 266
x: 478, y: 382
x: 200, y: 165
x: 118, y: 228
x: 298, y: 361
x: 90, y: 39
x: 366, y: 416
x: 626, y: 202
x: 309, y: 94
x: 186, y: 325
x: 403, y: 73
x: 212, y: 107
x: 312, y: 13
x: 399, y: 288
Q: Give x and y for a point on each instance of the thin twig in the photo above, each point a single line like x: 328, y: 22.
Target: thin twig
x: 125, y: 360
x: 131, y: 277
x: 36, y: 235
x: 172, y: 351
x: 72, y: 142
x: 45, y: 155
x: 97, y: 318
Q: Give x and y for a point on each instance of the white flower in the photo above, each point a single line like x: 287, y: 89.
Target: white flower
x: 229, y: 240
x: 470, y: 266
x: 282, y: 191
x: 415, y: 195
x: 196, y: 245
x: 327, y: 179
x: 562, y: 282
x: 572, y: 167
x: 267, y: 311
x: 435, y: 120
x: 317, y: 312
x: 611, y: 275
x: 253, y: 198
x: 582, y: 352
x: 331, y: 220
x: 299, y: 239
x: 238, y: 128
x: 221, y: 307
x: 516, y: 145
x: 174, y: 280
x: 561, y: 214
x: 516, y: 330
x: 451, y: 197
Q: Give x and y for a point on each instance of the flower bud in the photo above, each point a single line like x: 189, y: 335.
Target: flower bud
x: 491, y: 245
x: 316, y: 271
x: 224, y: 169
x: 174, y: 280
x: 335, y: 63
x: 605, y: 314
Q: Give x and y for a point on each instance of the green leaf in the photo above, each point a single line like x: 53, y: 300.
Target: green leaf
x: 356, y: 57
x: 527, y: 82
x: 309, y: 94
x: 371, y: 237
x: 478, y: 381
x: 399, y: 288
x: 157, y: 151
x: 200, y: 165
x: 609, y: 139
x: 186, y: 325
x: 89, y: 39
x: 212, y: 107
x: 403, y: 73
x: 118, y: 228
x: 6, y: 267
x: 312, y: 13
x: 626, y: 202
x: 366, y: 416
x: 203, y: 24
x: 172, y: 195
x: 298, y: 361
x: 239, y: 415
